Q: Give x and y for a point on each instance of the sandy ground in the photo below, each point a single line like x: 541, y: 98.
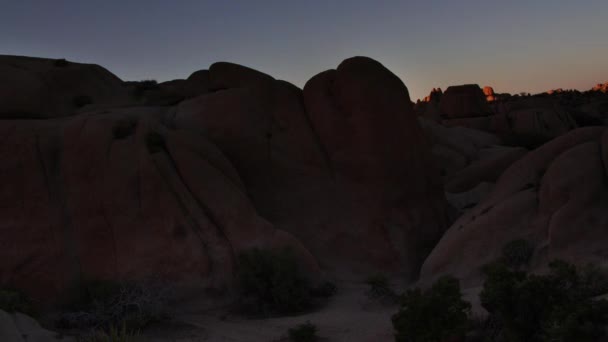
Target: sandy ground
x: 348, y: 316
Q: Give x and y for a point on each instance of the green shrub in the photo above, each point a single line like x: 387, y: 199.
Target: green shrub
x: 379, y: 288
x: 436, y: 314
x: 551, y: 307
x: 14, y: 301
x: 123, y: 129
x: 107, y: 304
x: 517, y: 253
x: 306, y: 332
x: 155, y: 142
x: 80, y: 101
x: 270, y: 282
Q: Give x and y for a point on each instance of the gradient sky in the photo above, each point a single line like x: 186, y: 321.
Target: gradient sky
x: 512, y: 45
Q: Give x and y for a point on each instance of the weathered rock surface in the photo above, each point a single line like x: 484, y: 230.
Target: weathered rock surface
x: 116, y: 195
x: 556, y: 197
x: 342, y: 165
x: 341, y: 169
x: 46, y: 88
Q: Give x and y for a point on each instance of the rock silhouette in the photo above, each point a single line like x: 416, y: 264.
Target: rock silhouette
x: 340, y: 172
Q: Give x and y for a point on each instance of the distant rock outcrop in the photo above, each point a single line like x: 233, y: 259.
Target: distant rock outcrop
x: 434, y: 96
x: 464, y: 101
x: 489, y: 93
x: 601, y: 87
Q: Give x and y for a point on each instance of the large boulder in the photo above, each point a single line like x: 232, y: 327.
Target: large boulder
x: 46, y: 88
x: 555, y: 197
x: 342, y: 165
x: 116, y: 195
x: 464, y: 101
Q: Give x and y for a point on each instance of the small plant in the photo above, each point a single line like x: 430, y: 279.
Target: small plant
x: 14, y: 301
x: 306, y: 332
x: 559, y: 306
x: 112, y: 334
x: 106, y: 304
x: 123, y: 129
x: 155, y: 142
x: 270, y: 282
x: 80, y: 101
x: 517, y: 253
x: 437, y: 314
x: 61, y: 63
x: 379, y: 288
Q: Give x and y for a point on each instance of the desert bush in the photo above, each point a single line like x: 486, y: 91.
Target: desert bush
x: 14, y: 301
x: 108, y: 304
x: 80, y: 101
x: 558, y: 306
x: 155, y: 142
x: 517, y: 253
x: 306, y: 332
x: 436, y: 314
x: 380, y: 289
x: 270, y: 282
x: 111, y: 334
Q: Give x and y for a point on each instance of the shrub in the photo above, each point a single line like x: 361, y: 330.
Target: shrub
x: 112, y: 334
x: 306, y: 332
x: 436, y: 314
x: 14, y: 301
x: 80, y: 101
x: 61, y: 63
x: 270, y: 282
x: 107, y: 304
x: 155, y: 142
x: 123, y: 129
x: 517, y: 253
x: 553, y: 307
x: 379, y: 288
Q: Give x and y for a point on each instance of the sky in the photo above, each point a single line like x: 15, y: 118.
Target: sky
x: 514, y: 46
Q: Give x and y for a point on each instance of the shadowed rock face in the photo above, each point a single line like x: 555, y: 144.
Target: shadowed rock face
x: 47, y: 88
x: 340, y: 172
x: 555, y: 196
x: 116, y: 195
x: 342, y: 165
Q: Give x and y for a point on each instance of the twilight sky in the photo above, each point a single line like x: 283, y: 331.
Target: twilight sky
x: 515, y: 45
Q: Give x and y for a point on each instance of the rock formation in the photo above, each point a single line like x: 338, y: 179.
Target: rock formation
x: 341, y: 173
x: 555, y: 197
x: 464, y: 101
x: 489, y: 93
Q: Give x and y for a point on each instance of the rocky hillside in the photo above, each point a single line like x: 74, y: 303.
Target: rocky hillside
x: 113, y: 180
x: 175, y: 180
